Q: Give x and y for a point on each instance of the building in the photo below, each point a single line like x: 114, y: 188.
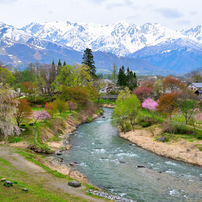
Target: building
x: 196, y: 87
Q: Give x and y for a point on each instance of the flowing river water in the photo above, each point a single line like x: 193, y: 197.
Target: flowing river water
x: 112, y: 164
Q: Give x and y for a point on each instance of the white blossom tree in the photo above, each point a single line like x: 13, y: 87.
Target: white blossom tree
x: 8, y: 106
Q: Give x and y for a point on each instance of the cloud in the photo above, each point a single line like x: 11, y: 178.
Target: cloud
x: 7, y: 1
x: 184, y: 22
x: 114, y: 5
x: 97, y: 1
x: 169, y: 13
x: 193, y: 13
x: 133, y: 17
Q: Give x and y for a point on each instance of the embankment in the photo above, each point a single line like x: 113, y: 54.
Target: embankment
x: 181, y: 150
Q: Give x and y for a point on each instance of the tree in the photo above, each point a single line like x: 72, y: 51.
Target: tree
x: 158, y: 88
x: 39, y: 115
x: 59, y: 66
x: 72, y: 106
x: 65, y: 77
x: 167, y: 104
x: 142, y: 92
x: 6, y: 76
x: 8, y: 106
x: 114, y: 74
x: 133, y: 105
x: 194, y: 76
x: 126, y: 111
x: 61, y: 105
x: 123, y: 95
x: 23, y: 111
x: 81, y: 74
x: 131, y: 80
x: 149, y: 104
x: 79, y: 95
x: 173, y: 84
x: 122, y: 77
x: 187, y: 103
x: 29, y: 88
x: 89, y: 61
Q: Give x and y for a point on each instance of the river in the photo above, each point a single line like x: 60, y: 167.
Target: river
x: 111, y: 163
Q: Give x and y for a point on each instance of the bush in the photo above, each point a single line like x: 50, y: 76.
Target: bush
x: 147, y: 121
x: 177, y: 128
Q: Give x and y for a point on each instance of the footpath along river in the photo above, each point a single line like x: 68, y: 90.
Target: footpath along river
x: 111, y: 163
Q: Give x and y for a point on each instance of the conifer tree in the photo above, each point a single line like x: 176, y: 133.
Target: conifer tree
x: 122, y: 77
x: 59, y: 66
x: 89, y: 61
x: 64, y: 63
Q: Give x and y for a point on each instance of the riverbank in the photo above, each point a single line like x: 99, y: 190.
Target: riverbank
x: 52, y: 137
x: 180, y: 150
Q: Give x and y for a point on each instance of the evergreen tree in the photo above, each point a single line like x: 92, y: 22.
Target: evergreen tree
x: 122, y: 77
x: 113, y: 72
x: 64, y: 63
x: 131, y: 79
x: 59, y: 66
x: 89, y: 61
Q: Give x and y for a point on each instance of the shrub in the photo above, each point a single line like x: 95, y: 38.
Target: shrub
x: 147, y: 121
x: 177, y: 128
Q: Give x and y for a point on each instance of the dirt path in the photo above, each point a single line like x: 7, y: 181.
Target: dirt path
x: 40, y: 176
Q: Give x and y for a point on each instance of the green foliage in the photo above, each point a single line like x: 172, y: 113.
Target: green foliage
x: 127, y: 79
x: 65, y: 77
x: 177, y: 128
x: 126, y: 110
x: 114, y: 74
x: 79, y: 95
x: 148, y: 121
x: 6, y: 76
x: 62, y: 106
x: 39, y: 100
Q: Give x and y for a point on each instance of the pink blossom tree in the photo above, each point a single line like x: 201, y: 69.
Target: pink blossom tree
x: 72, y: 105
x: 149, y: 104
x: 39, y: 115
x: 46, y: 106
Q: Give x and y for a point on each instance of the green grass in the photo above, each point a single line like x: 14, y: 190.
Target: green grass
x: 101, y: 101
x: 36, y: 191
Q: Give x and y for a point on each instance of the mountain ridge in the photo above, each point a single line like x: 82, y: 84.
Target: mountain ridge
x: 150, y: 48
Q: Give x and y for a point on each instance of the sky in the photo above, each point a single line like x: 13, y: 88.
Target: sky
x: 174, y: 14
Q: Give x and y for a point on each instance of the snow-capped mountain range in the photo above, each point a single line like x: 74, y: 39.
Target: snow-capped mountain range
x: 121, y: 38
x: 150, y: 48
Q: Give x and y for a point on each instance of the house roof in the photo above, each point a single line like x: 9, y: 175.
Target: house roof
x: 197, y: 85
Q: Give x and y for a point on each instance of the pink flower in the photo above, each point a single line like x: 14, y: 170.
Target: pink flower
x: 149, y: 104
x: 39, y: 115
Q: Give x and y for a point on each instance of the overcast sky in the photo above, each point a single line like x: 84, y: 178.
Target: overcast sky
x: 174, y: 14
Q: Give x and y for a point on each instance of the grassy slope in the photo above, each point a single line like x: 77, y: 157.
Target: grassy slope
x: 42, y: 186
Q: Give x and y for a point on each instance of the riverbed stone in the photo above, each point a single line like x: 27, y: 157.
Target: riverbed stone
x: 59, y: 153
x: 74, y: 183
x: 140, y: 166
x: 8, y: 184
x: 3, y: 179
x: 162, y: 139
